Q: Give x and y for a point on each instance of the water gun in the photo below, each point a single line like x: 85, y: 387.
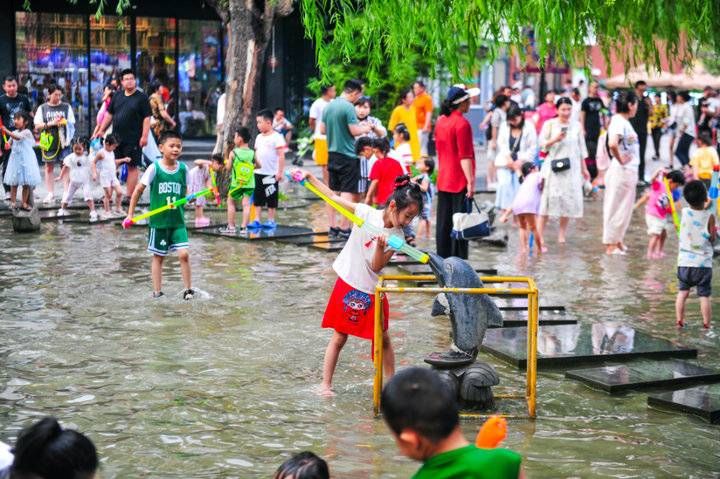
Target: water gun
x: 491, y: 433
x: 96, y: 144
x: 4, y: 136
x: 130, y: 221
x: 531, y: 242
x: 676, y: 219
x: 394, y: 242
x: 713, y: 192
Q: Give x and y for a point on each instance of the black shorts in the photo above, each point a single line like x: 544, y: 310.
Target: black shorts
x: 344, y: 172
x: 701, y: 278
x: 131, y: 150
x: 266, y: 191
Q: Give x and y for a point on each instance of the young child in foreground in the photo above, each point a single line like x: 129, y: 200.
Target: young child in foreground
x: 168, y: 180
x: 658, y: 212
x: 526, y: 206
x: 350, y: 309
x: 77, y: 165
x: 241, y: 163
x: 695, y: 255
x: 423, y: 417
x: 202, y: 176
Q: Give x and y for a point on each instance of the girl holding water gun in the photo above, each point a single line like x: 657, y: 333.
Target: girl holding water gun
x: 350, y: 309
x: 658, y: 211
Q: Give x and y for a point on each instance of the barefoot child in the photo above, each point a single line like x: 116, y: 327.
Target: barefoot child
x: 695, y: 255
x: 526, y: 205
x: 241, y: 163
x: 22, y: 168
x: 77, y: 165
x: 350, y: 310
x: 168, y: 180
x: 427, y: 166
x: 104, y: 170
x: 657, y: 210
x: 201, y: 177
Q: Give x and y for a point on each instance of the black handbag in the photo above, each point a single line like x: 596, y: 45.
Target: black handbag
x: 561, y: 164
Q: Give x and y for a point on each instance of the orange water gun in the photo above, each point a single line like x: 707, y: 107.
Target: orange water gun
x: 491, y: 433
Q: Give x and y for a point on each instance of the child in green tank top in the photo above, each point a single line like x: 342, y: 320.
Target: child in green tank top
x: 242, y: 164
x: 168, y: 181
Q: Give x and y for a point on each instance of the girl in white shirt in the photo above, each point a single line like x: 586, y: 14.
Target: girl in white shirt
x: 350, y: 310
x: 78, y: 166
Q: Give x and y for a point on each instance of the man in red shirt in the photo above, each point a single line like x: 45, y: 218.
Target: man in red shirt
x: 456, y: 168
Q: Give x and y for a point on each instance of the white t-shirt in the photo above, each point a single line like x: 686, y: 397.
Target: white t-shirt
x: 685, y: 117
x: 575, y: 112
x: 266, y: 151
x: 79, y: 167
x: 316, y: 112
x: 353, y: 263
x: 220, y: 116
x: 106, y: 163
x: 149, y: 174
x: 628, y: 142
x: 403, y: 154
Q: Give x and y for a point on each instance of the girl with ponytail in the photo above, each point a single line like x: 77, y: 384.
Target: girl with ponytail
x: 350, y: 309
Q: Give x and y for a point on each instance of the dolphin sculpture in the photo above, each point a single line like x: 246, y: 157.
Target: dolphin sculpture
x: 470, y: 314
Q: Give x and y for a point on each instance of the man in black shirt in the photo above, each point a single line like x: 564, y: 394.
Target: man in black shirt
x: 10, y: 103
x: 639, y: 123
x: 591, y: 119
x: 129, y: 112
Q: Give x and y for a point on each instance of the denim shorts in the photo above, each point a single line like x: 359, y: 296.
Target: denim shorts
x: 701, y: 278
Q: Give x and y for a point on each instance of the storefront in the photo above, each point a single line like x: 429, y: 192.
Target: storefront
x: 64, y: 43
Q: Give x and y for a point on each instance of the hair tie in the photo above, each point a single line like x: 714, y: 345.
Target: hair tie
x: 403, y: 182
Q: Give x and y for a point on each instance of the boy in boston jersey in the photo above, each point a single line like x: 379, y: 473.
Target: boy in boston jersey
x: 168, y: 180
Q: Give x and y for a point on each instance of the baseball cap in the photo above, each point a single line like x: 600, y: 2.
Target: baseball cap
x: 458, y: 93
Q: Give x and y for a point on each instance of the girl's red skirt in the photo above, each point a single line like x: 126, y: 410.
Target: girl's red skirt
x: 351, y: 311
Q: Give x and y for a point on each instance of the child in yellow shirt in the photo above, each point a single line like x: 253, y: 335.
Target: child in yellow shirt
x: 704, y: 159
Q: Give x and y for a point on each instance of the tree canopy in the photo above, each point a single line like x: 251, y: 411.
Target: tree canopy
x: 450, y: 33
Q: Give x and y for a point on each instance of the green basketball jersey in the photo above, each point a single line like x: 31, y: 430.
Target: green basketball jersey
x: 243, y: 169
x: 167, y: 188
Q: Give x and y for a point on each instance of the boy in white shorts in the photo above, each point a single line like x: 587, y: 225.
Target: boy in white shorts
x: 77, y: 163
x: 104, y: 170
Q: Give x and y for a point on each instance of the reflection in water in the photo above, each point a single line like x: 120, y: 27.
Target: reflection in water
x: 223, y: 387
x: 612, y: 338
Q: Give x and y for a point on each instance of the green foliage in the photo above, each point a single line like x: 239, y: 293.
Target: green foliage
x: 384, y: 78
x: 453, y: 31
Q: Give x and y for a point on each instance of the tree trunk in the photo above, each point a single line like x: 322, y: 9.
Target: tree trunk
x: 249, y: 26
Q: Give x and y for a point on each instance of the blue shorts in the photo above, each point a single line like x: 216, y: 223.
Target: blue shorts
x: 701, y: 278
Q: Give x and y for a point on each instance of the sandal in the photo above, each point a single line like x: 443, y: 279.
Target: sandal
x: 680, y: 324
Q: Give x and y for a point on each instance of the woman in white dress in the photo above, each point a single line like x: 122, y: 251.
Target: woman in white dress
x: 622, y: 175
x: 516, y: 144
x: 563, y: 170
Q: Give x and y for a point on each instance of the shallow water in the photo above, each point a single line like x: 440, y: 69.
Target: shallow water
x: 224, y: 386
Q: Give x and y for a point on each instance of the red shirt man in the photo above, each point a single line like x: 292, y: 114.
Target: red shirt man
x: 456, y: 169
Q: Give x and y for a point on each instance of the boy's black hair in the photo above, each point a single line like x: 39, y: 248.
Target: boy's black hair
x: 111, y: 139
x: 705, y: 138
x: 352, y: 85
x: 53, y: 87
x: 430, y: 165
x: 382, y: 144
x: 402, y: 130
x: 279, y: 109
x: 363, y: 142
x: 304, y: 465
x: 266, y: 114
x: 168, y: 134
x: 243, y: 133
x: 416, y: 398
x: 9, y: 78
x: 126, y: 71
x: 47, y: 450
x: 217, y: 157
x: 324, y: 89
x: 676, y: 176
x: 695, y: 194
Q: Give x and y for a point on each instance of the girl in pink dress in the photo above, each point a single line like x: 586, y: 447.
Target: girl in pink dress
x: 526, y: 206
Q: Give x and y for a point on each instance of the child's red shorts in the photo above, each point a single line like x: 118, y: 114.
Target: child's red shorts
x: 351, y: 311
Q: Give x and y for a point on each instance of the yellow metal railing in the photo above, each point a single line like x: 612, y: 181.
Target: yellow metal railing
x: 530, y: 291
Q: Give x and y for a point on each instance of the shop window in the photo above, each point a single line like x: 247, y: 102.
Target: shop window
x: 155, y: 58
x: 200, y: 76
x: 52, y: 48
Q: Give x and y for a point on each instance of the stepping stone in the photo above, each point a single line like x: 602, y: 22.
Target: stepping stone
x: 516, y: 322
x: 320, y: 238
x: 703, y: 401
x: 619, y: 378
x: 328, y: 247
x: 569, y: 345
x: 51, y: 215
x: 260, y: 234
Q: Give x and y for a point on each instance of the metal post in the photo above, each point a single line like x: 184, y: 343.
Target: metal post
x: 378, y: 350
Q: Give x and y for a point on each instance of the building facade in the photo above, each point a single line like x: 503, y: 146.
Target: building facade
x: 181, y: 45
